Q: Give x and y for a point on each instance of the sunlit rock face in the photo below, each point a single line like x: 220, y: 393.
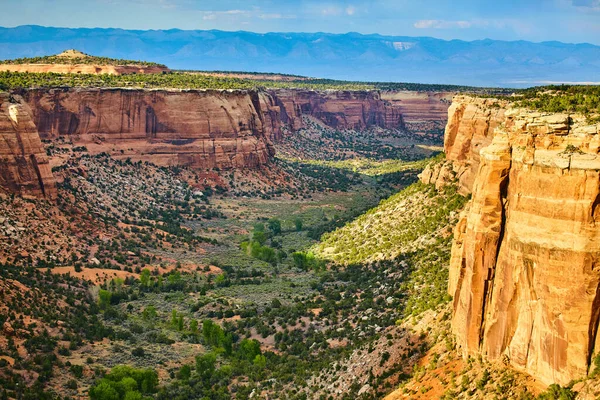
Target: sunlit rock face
x: 419, y: 106
x: 525, y: 271
x: 83, y: 69
x: 198, y: 128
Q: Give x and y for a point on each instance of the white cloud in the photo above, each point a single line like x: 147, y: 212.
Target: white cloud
x: 587, y: 5
x: 214, y: 15
x: 583, y: 6
x: 331, y: 10
x: 276, y: 16
x: 234, y: 12
x: 441, y: 24
x: 335, y: 11
x: 255, y: 13
x: 516, y: 25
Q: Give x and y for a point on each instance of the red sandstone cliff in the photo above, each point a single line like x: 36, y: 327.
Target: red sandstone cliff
x: 337, y: 109
x: 525, y: 261
x: 238, y: 121
x: 24, y: 168
x: 84, y: 69
x: 418, y: 107
x: 201, y: 129
x: 471, y: 125
x: 196, y: 128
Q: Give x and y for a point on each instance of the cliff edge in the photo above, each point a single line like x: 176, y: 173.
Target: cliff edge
x: 75, y: 62
x: 525, y: 265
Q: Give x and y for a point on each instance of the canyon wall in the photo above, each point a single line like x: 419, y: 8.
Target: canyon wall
x: 83, y: 69
x: 470, y: 127
x: 424, y: 113
x: 337, y: 109
x: 203, y: 129
x: 23, y: 164
x: 419, y: 106
x: 525, y: 264
x: 200, y: 129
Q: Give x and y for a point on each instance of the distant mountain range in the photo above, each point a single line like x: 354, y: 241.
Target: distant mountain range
x: 350, y: 56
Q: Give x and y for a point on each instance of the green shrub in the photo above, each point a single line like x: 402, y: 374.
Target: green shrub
x: 125, y: 383
x: 557, y: 392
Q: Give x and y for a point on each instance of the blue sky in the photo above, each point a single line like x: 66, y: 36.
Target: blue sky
x: 536, y: 20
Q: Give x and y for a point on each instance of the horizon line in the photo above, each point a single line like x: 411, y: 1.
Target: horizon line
x: 303, y: 33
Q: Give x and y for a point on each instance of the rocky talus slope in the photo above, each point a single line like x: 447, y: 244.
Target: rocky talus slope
x: 24, y: 167
x: 524, y: 270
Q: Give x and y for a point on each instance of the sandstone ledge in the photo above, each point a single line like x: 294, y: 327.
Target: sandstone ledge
x: 83, y: 69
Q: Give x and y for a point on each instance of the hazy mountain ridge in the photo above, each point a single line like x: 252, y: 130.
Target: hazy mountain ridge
x: 345, y: 56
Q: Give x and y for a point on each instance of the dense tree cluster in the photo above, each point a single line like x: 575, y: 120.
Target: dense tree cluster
x: 77, y: 317
x: 125, y: 383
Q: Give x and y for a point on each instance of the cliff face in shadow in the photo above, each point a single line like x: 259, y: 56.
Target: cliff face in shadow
x: 524, y: 271
x: 338, y: 109
x: 24, y: 168
x: 200, y: 129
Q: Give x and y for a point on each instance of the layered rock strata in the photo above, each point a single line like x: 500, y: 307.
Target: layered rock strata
x: 524, y: 270
x: 24, y: 168
x: 92, y: 115
x: 84, y: 69
x: 471, y: 125
x: 200, y: 129
x: 418, y: 107
x: 337, y: 109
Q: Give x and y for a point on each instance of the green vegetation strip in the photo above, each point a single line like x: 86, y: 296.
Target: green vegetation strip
x: 556, y: 98
x: 366, y: 166
x: 181, y: 80
x: 394, y: 226
x: 88, y: 60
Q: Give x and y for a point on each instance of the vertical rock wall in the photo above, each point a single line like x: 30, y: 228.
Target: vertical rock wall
x: 337, y: 109
x: 524, y: 271
x: 24, y: 168
x: 200, y: 129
